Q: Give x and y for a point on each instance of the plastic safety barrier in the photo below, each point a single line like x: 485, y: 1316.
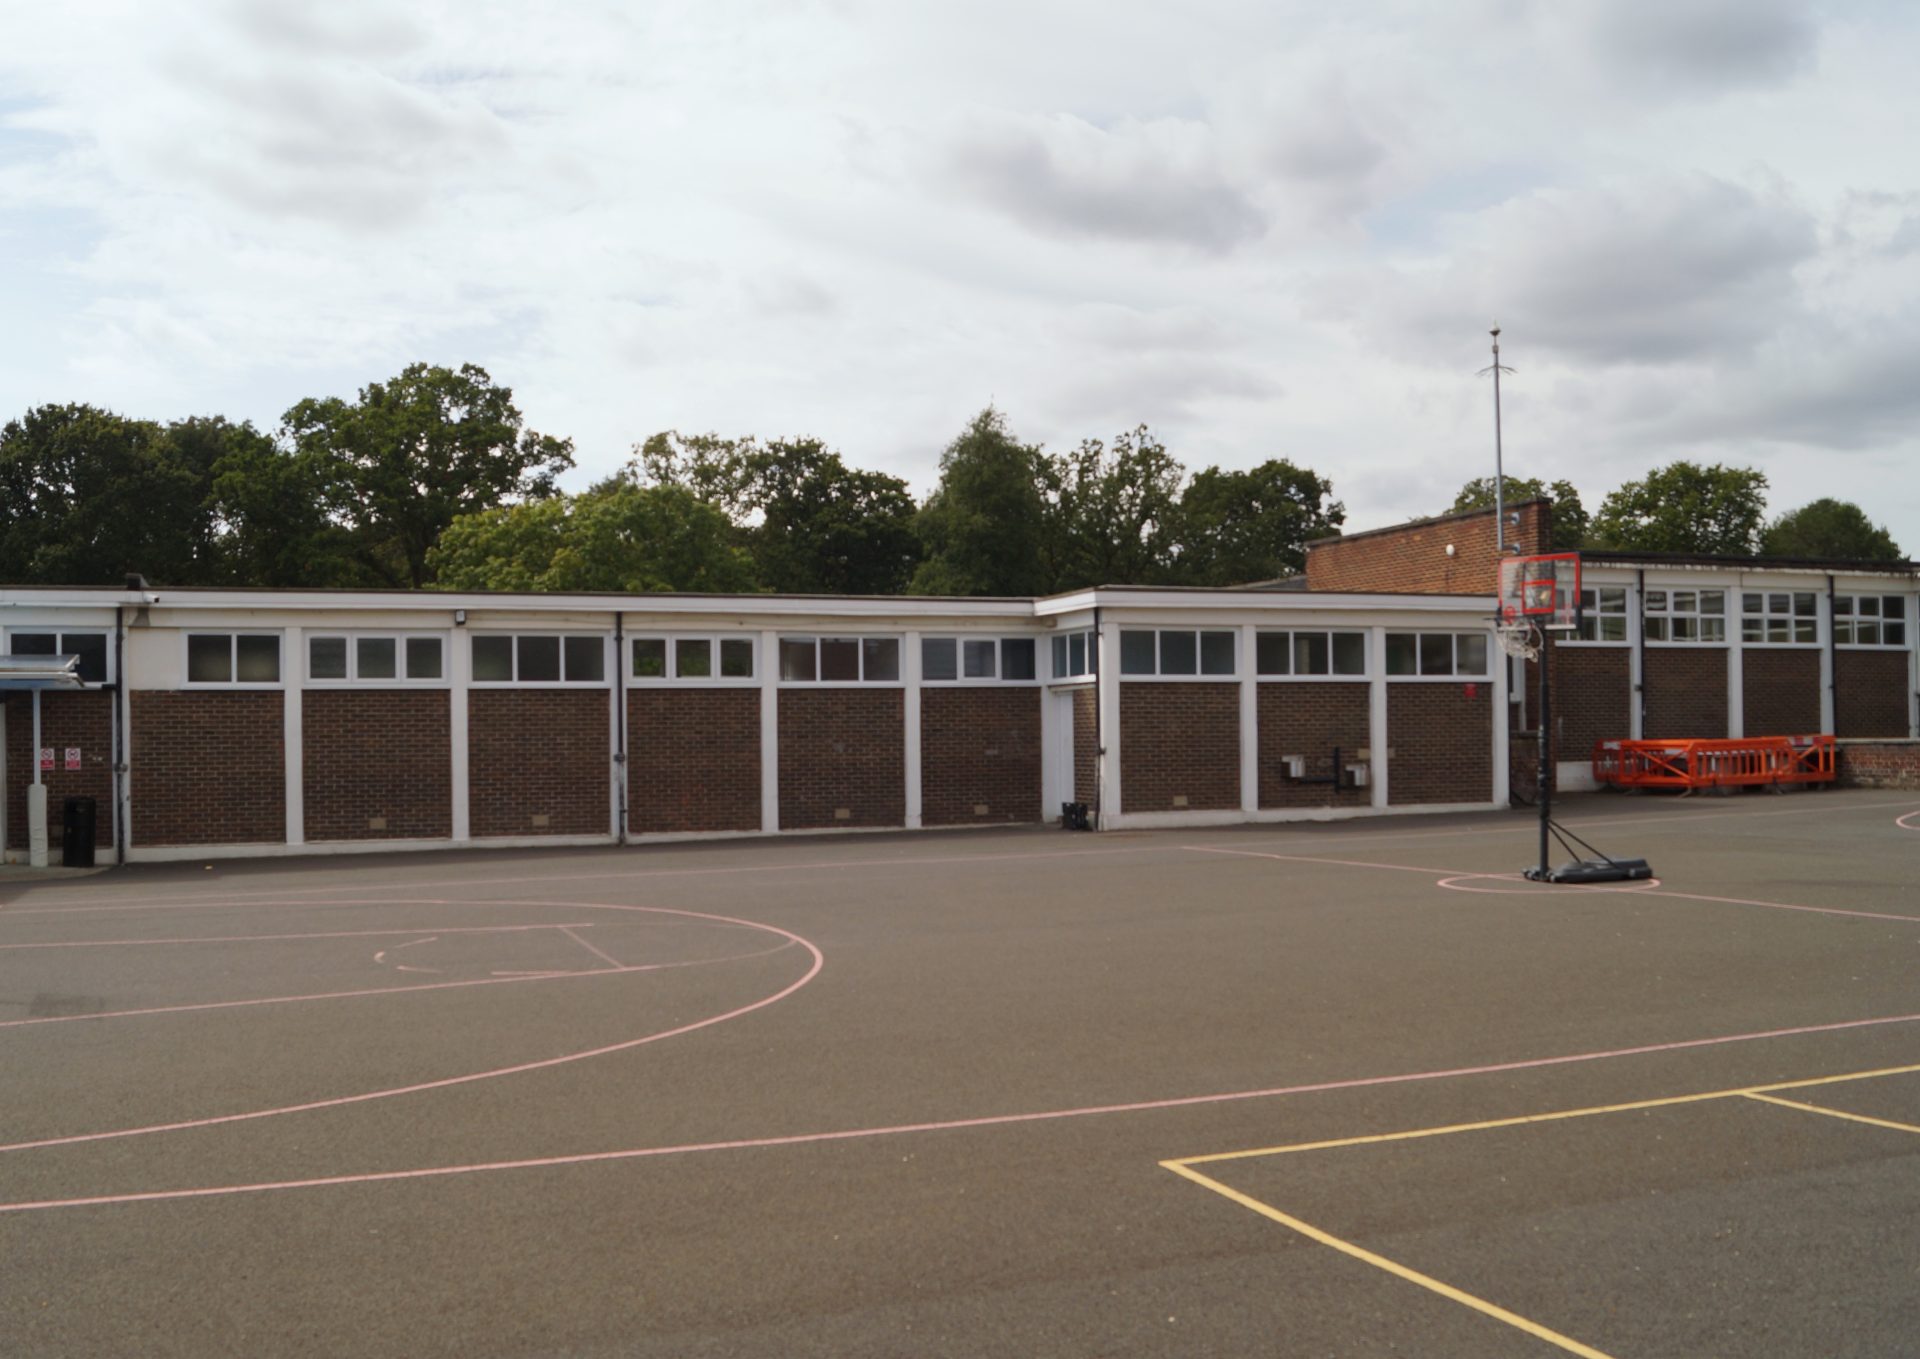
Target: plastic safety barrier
x: 1753, y: 762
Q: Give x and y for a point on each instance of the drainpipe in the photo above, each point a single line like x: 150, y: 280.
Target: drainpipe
x: 1833, y: 663
x: 1640, y: 647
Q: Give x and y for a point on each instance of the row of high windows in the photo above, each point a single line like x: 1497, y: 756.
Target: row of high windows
x: 1766, y: 617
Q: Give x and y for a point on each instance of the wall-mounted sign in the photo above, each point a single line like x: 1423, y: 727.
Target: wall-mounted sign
x: 46, y: 759
x: 73, y: 758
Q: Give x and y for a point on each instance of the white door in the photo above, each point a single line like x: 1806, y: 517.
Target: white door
x: 1056, y: 780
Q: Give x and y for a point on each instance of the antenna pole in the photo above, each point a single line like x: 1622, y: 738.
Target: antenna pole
x: 1499, y: 473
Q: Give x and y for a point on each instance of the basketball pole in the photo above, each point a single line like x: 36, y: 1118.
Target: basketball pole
x: 1545, y: 788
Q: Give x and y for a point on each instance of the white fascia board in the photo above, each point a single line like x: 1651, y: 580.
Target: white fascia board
x: 25, y: 617
x: 1257, y: 604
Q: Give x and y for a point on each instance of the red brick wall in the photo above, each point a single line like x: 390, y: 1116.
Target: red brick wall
x: 1780, y: 691
x: 979, y: 746
x: 66, y: 719
x: 377, y: 754
x: 1893, y: 765
x: 693, y: 759
x: 1439, y: 743
x: 842, y: 750
x: 1412, y: 558
x: 208, y: 768
x: 1592, y: 699
x: 1311, y: 718
x: 1179, y: 740
x: 539, y: 752
x: 1686, y: 693
x: 1086, y: 747
x: 1870, y: 693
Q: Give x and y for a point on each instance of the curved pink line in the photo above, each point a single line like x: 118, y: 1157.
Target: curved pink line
x: 819, y: 961
x: 944, y: 1125
x: 1904, y: 822
x: 271, y: 938
x: 1526, y: 887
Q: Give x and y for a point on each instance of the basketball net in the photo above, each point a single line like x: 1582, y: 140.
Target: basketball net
x: 1521, y: 640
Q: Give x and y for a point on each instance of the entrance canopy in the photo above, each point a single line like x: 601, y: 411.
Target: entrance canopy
x: 39, y: 672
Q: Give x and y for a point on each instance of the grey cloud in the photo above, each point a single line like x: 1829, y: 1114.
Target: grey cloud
x: 1153, y: 181
x: 366, y: 32
x: 1693, y: 46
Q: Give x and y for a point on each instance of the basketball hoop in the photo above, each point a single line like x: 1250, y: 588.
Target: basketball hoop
x: 1519, y: 640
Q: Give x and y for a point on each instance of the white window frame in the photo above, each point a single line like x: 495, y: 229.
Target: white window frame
x: 60, y: 632
x: 233, y: 636
x: 1332, y: 676
x: 838, y: 635
x: 1791, y: 616
x: 998, y: 677
x: 605, y: 639
x: 672, y: 641
x: 1592, y: 613
x: 1201, y: 677
x: 1666, y: 613
x: 1456, y: 675
x: 1850, y: 617
x: 353, y: 638
x: 1068, y: 676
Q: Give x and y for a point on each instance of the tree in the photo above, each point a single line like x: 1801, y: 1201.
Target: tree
x: 1684, y: 507
x: 981, y: 528
x: 1570, y: 518
x: 615, y: 537
x: 1836, y: 529
x: 1110, y: 512
x: 413, y: 454
x: 1236, y: 527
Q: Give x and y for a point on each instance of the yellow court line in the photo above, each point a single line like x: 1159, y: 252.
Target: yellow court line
x: 1394, y: 1267
x: 1838, y: 1113
x: 1550, y: 1117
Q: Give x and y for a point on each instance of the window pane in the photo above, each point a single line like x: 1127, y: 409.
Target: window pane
x: 91, y: 648
x: 1752, y: 603
x: 1867, y: 604
x: 796, y: 658
x: 259, y: 660
x: 1894, y: 632
x: 423, y: 658
x: 939, y: 657
x: 1060, y: 657
x: 1843, y: 604
x: 1686, y: 628
x: 1656, y: 629
x: 1843, y: 630
x: 1402, y: 654
x: 42, y: 644
x: 1778, y: 604
x: 1017, y: 658
x: 1136, y: 653
x: 1753, y: 630
x: 649, y: 658
x: 839, y: 658
x: 1079, y: 663
x: 1436, y: 653
x: 210, y: 658
x: 1273, y: 652
x: 1778, y: 629
x: 1216, y: 653
x: 376, y: 657
x: 1471, y: 653
x: 586, y: 660
x: 1866, y: 632
x: 1893, y: 606
x: 1804, y: 606
x: 1589, y: 601
x: 1657, y: 600
x: 1807, y: 629
x: 978, y: 655
x: 493, y: 659
x: 693, y: 658
x: 1309, y: 653
x: 1178, y: 654
x: 1685, y: 601
x: 736, y: 658
x: 1349, y: 653
x: 1713, y: 601
x: 1613, y: 600
x: 327, y: 658
x: 1613, y: 629
x: 539, y: 659
x: 1713, y: 629
x: 881, y: 658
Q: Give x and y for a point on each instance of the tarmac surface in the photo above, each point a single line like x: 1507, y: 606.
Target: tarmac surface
x: 1327, y: 1089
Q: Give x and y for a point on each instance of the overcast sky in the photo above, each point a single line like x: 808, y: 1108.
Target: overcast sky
x: 1263, y: 228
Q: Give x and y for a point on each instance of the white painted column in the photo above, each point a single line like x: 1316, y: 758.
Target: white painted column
x: 36, y: 799
x: 1250, y: 723
x: 1828, y: 717
x: 1377, y: 733
x: 1052, y: 777
x: 1737, y: 686
x: 1108, y: 760
x: 1502, y: 722
x: 1913, y: 666
x: 769, y: 731
x: 616, y: 758
x: 1636, y: 670
x: 910, y: 674
x: 293, y: 670
x: 459, y: 679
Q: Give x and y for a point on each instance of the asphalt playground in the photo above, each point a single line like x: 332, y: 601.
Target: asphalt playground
x: 1327, y: 1089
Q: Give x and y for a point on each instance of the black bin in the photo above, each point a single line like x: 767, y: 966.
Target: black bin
x: 77, y: 818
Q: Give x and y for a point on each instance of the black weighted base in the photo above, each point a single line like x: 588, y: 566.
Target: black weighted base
x: 1594, y: 870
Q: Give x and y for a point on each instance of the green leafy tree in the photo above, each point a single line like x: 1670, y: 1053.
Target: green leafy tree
x: 616, y: 537
x: 1837, y: 529
x: 1110, y: 512
x: 413, y: 454
x: 269, y: 509
x: 1236, y: 527
x: 1685, y: 507
x: 981, y: 527
x: 1571, y: 522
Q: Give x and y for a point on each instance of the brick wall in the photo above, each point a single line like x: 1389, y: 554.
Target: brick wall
x: 1870, y: 693
x: 1780, y: 691
x: 842, y: 750
x: 693, y: 760
x: 1311, y: 718
x: 208, y: 768
x: 1179, y: 740
x: 66, y: 719
x: 1439, y: 743
x: 1686, y: 693
x: 1412, y: 558
x: 1893, y: 764
x: 1086, y: 747
x: 979, y: 747
x: 1592, y: 699
x: 377, y: 764
x: 539, y: 762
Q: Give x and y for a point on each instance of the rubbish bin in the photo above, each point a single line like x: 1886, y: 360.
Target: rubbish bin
x: 77, y: 817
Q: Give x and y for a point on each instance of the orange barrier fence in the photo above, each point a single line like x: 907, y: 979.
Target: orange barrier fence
x: 1756, y: 761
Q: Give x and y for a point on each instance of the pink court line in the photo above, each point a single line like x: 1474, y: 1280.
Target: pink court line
x: 1906, y: 822
x: 604, y: 957
x: 270, y: 938
x: 945, y: 1125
